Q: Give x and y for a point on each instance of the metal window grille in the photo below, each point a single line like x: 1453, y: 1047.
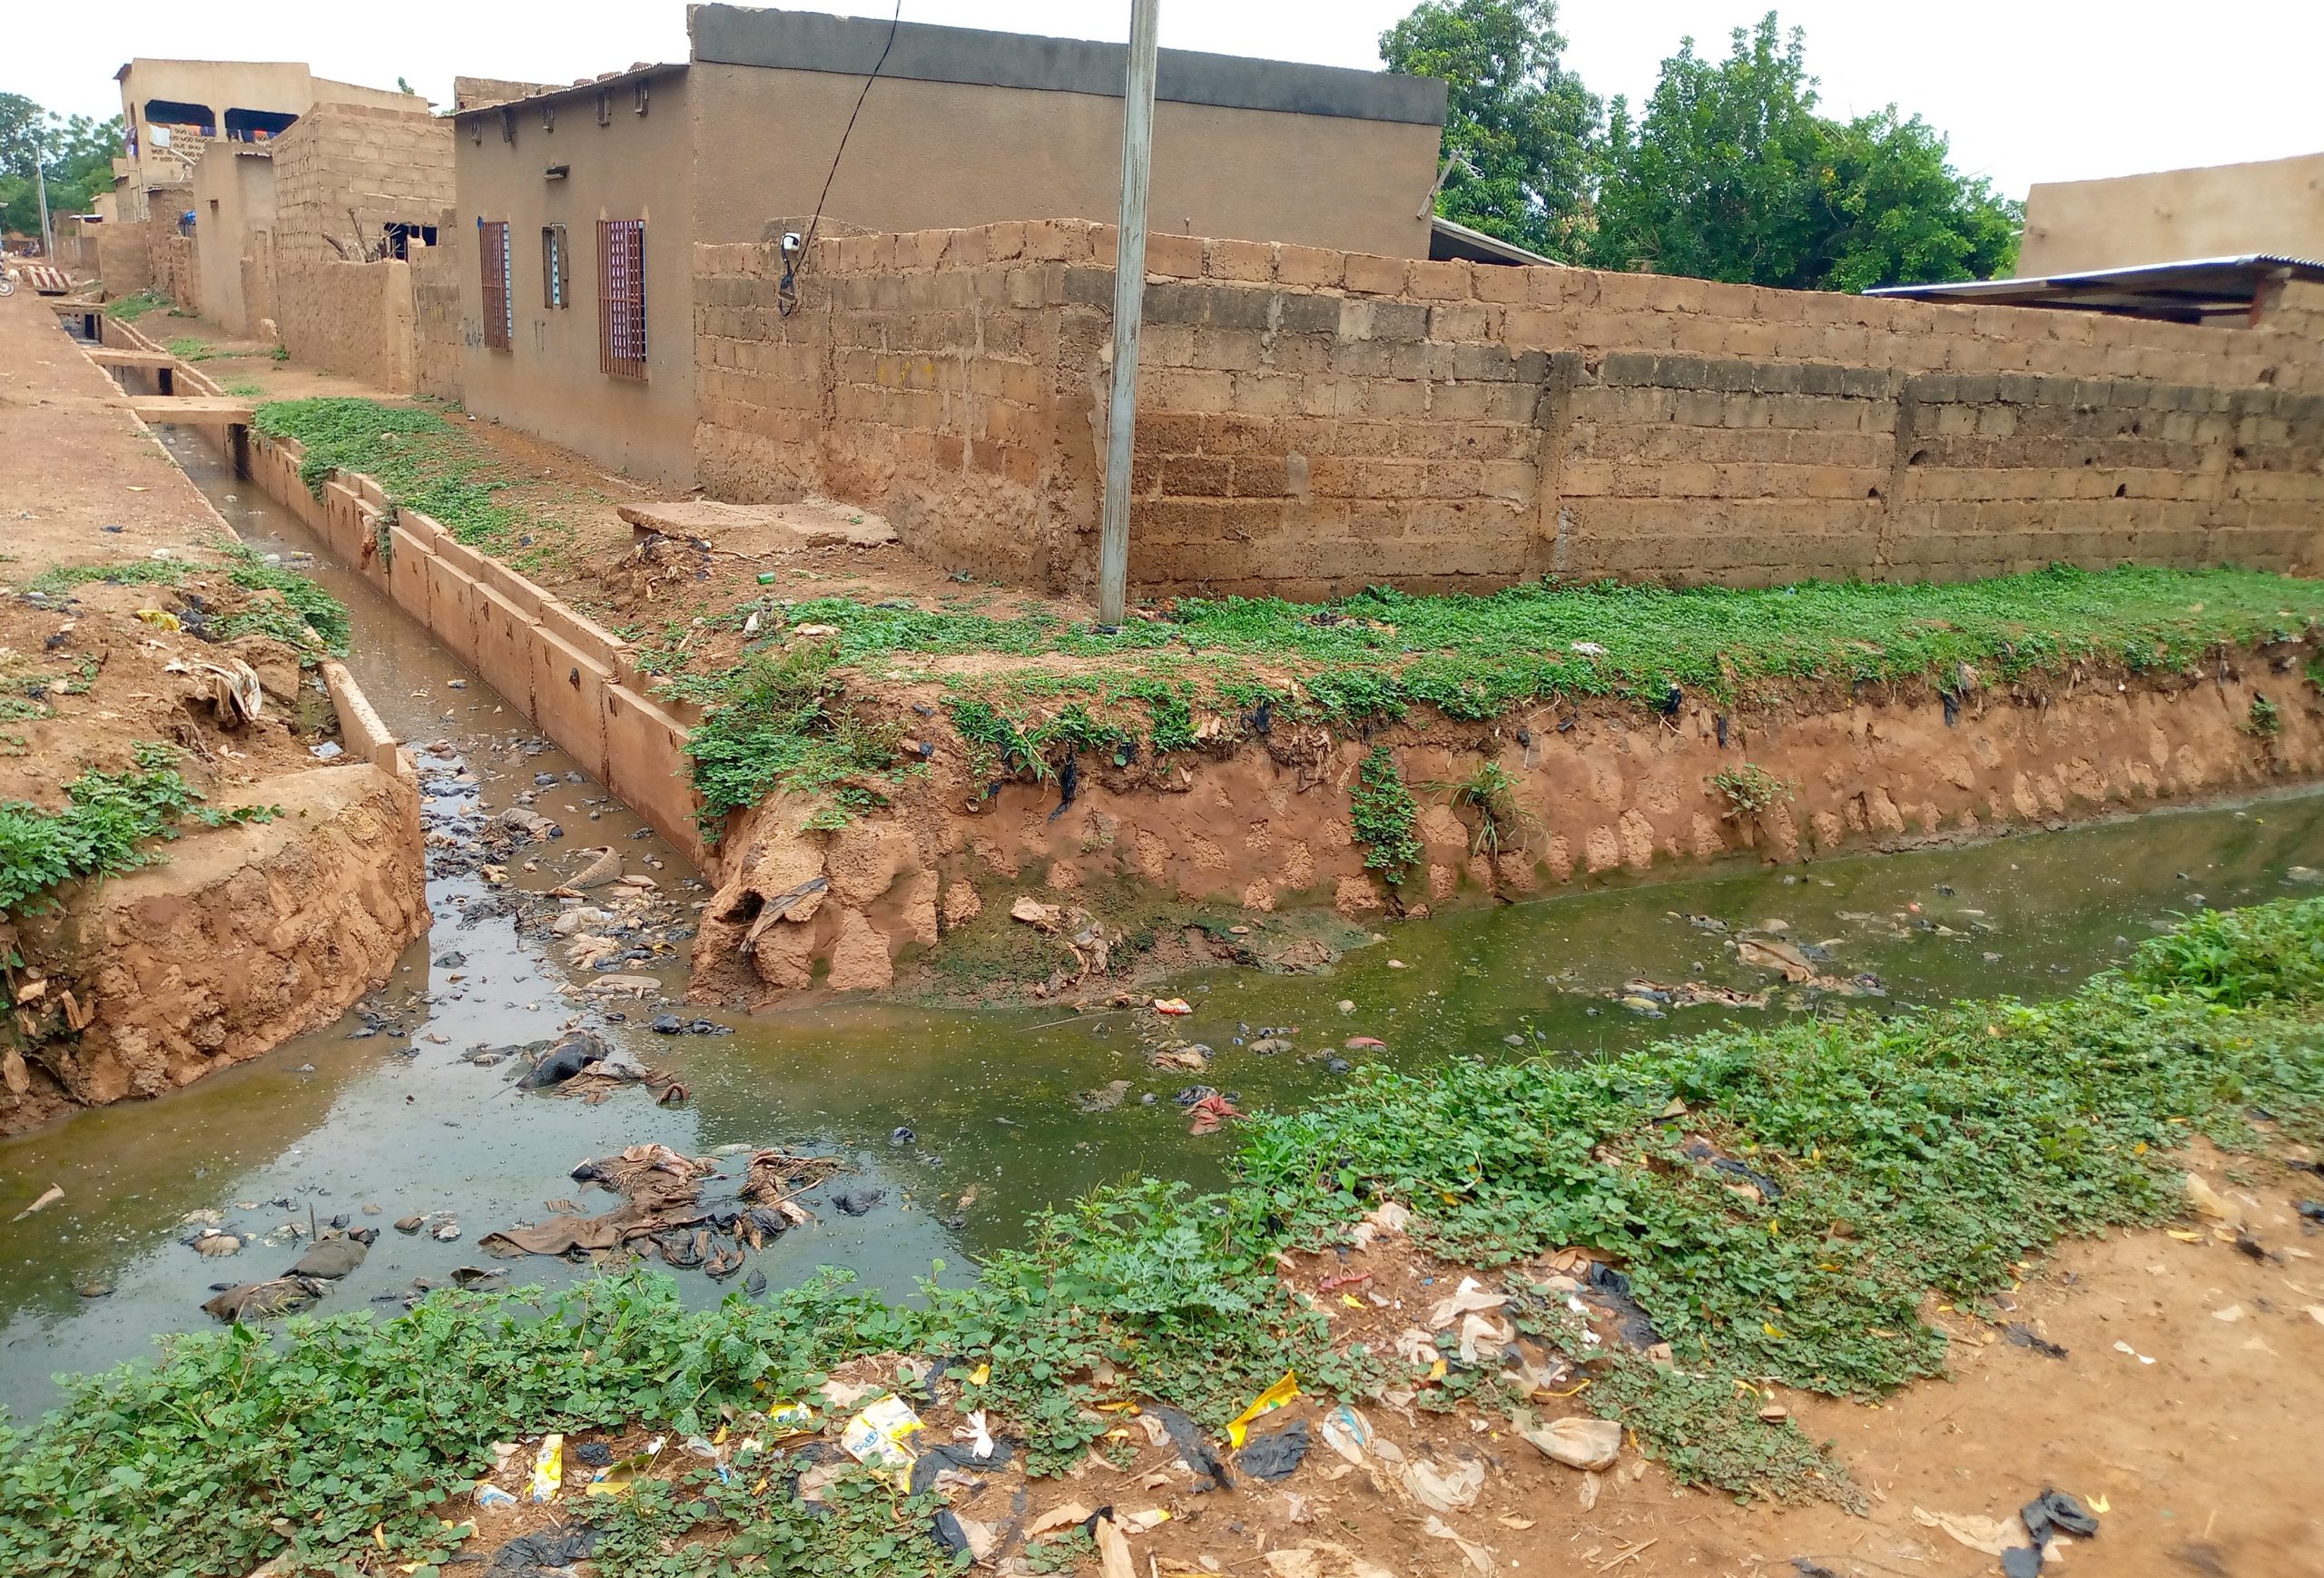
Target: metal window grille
x: 621, y: 297
x: 499, y: 309
x: 557, y: 267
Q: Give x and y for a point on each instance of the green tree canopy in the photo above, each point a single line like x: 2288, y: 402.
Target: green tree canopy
x: 1523, y: 128
x: 77, y: 158
x: 1730, y: 171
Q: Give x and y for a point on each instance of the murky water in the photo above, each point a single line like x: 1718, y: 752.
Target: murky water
x: 338, y: 1125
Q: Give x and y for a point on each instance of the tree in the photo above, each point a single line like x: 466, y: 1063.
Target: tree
x: 1523, y: 128
x: 78, y: 152
x: 1726, y: 177
x: 1732, y: 175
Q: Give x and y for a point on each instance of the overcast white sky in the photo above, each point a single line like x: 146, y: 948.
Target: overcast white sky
x: 2029, y: 90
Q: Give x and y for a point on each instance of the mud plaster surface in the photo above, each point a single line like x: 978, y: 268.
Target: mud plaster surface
x: 1602, y: 795
x: 246, y: 936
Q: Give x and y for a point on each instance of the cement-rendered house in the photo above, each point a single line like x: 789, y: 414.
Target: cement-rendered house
x: 579, y: 208
x: 2272, y: 206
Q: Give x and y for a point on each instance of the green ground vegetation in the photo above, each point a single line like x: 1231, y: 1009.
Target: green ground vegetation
x: 130, y: 309
x: 108, y: 827
x: 284, y: 604
x: 424, y: 462
x: 1930, y: 1151
x: 1381, y: 655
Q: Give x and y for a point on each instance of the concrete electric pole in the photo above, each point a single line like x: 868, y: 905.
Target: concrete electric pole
x: 40, y: 192
x: 1129, y: 307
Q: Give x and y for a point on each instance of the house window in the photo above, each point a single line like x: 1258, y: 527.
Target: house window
x: 399, y: 238
x: 499, y: 309
x: 557, y: 267
x: 621, y: 297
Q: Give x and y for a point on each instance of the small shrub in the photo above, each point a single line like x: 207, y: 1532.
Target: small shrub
x: 107, y: 816
x: 1381, y: 811
x: 1491, y: 793
x: 2265, y: 719
x: 1748, y: 790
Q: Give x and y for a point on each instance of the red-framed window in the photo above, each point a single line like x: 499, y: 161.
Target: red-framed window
x: 621, y: 297
x: 499, y: 308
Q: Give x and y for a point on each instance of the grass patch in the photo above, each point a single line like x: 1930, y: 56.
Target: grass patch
x: 130, y: 309
x: 422, y: 462
x: 186, y: 348
x: 1926, y: 1153
x: 284, y: 605
x: 108, y: 820
x: 1382, y: 651
x: 782, y: 726
x: 1382, y: 814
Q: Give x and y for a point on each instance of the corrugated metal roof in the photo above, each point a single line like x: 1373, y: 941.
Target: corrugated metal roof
x: 2191, y: 291
x: 1448, y: 240
x: 611, y: 79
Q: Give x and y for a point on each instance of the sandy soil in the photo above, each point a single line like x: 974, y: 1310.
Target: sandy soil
x: 2181, y: 1411
x: 248, y: 934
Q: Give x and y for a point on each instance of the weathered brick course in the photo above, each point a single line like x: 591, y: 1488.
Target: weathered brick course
x: 1311, y: 421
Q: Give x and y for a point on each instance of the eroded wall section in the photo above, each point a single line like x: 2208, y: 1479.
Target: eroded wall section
x: 1312, y: 421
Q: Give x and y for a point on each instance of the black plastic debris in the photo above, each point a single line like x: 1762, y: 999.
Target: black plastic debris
x: 901, y: 1135
x: 1610, y: 1290
x: 1275, y: 1457
x: 594, y: 1454
x: 856, y: 1202
x: 542, y: 1554
x: 2312, y: 1209
x: 566, y: 1059
x: 1210, y: 1473
x: 934, y: 1460
x: 2025, y: 1336
x: 1700, y: 1150
x: 949, y: 1533
x: 2047, y: 1515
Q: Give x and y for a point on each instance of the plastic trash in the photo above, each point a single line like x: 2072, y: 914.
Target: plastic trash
x: 1347, y: 1433
x: 1576, y: 1440
x: 880, y: 1434
x: 1210, y: 1473
x: 548, y: 1469
x: 489, y: 1496
x: 1266, y: 1402
x: 790, y: 1419
x: 1445, y: 1490
x: 1275, y: 1455
x: 1172, y: 1005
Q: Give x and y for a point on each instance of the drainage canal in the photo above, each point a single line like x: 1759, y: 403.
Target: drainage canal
x: 383, y: 1116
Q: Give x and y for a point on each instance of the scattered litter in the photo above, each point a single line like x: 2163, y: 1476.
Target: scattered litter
x: 1265, y: 1403
x: 1104, y: 1098
x: 1479, y: 1556
x: 1063, y: 1516
x: 1991, y: 1536
x: 2025, y: 1336
x: 1276, y: 1455
x: 878, y: 1434
x: 965, y: 1536
x: 49, y: 1196
x: 546, y: 1552
x: 1347, y: 1433
x: 2124, y: 1347
x: 1210, y: 1473
x: 265, y: 1300
x: 1446, y: 1492
x: 1173, y: 1005
x: 1364, y: 1045
x: 489, y: 1496
x: 1470, y: 1296
x: 1386, y: 1219
x: 1577, y: 1440
x: 1209, y: 1111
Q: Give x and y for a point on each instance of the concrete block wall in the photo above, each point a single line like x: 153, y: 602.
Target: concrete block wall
x: 1312, y: 421
x: 349, y: 167
x: 358, y: 319
x: 124, y: 262
x: 573, y: 679
x: 435, y: 315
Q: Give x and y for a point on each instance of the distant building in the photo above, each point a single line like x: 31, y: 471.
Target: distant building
x: 170, y: 110
x: 2273, y: 207
x: 581, y: 206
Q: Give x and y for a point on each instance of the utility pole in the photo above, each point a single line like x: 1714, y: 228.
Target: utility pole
x: 40, y: 192
x: 1129, y: 308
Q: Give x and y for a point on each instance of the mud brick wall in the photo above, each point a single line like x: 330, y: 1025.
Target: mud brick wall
x: 123, y: 261
x: 1312, y: 421
x: 173, y: 266
x: 350, y: 168
x: 356, y: 319
x: 436, y: 316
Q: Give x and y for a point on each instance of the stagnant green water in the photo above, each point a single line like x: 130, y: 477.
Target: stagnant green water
x: 337, y: 1124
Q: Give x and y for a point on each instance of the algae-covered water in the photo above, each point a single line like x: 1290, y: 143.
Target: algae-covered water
x: 380, y: 1128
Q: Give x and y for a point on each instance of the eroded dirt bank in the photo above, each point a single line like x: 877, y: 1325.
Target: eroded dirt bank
x: 1254, y: 830
x: 166, y: 696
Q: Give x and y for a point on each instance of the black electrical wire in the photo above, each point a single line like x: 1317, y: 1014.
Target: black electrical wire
x: 787, y: 293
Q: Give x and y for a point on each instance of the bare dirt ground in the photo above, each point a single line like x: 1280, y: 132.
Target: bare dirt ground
x: 2179, y: 1410
x: 84, y: 483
